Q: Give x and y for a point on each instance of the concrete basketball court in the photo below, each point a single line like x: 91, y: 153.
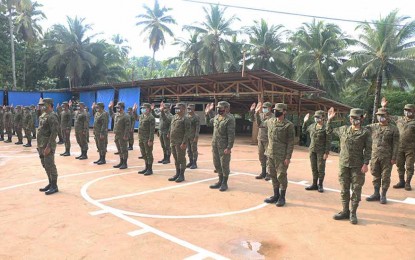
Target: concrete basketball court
x: 106, y: 213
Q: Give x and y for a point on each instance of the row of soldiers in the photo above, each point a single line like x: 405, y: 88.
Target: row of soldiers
x: 18, y: 120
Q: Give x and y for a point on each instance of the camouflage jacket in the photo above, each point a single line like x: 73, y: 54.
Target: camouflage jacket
x: 1, y: 119
x: 8, y: 117
x: 260, y: 119
x: 223, y: 129
x: 101, y: 123
x: 81, y: 121
x: 132, y: 122
x: 66, y: 120
x: 48, y: 130
x: 320, y: 140
x: 165, y: 121
x: 194, y: 125
x: 385, y: 141
x: 18, y: 119
x: 146, y: 128
x: 280, y: 139
x: 406, y: 129
x: 179, y: 130
x: 27, y: 121
x: 122, y: 125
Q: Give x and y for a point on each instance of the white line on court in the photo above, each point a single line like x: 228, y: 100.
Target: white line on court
x: 98, y: 212
x: 137, y: 232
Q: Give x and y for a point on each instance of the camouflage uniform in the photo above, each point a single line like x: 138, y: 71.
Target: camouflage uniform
x: 179, y: 135
x: 81, y: 127
x: 223, y: 138
x: 319, y: 146
x: 355, y: 150
x: 35, y: 118
x: 101, y: 120
x: 1, y: 124
x: 132, y: 124
x: 60, y: 135
x: 280, y: 148
x: 66, y: 126
x: 145, y: 134
x: 8, y: 124
x: 193, y: 137
x: 18, y: 124
x: 261, y: 120
x: 27, y: 125
x: 48, y: 130
x: 121, y: 130
x: 164, y: 130
x: 385, y: 144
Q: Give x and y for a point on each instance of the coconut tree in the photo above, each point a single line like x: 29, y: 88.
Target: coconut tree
x: 188, y: 57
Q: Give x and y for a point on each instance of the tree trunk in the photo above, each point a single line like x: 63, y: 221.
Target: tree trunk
x: 24, y: 66
x: 152, y: 65
x: 11, y: 27
x: 377, y: 94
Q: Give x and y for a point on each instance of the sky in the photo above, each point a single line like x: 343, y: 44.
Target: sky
x: 119, y: 17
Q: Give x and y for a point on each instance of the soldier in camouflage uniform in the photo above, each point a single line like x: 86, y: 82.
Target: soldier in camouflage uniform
x: 164, y: 129
x: 58, y: 113
x: 179, y: 136
x: 121, y: 131
x: 146, y: 136
x: 101, y: 119
x: 27, y: 126
x: 222, y: 141
x: 355, y: 154
x: 385, y: 144
x: 35, y: 118
x: 1, y: 123
x: 406, y: 151
x: 132, y: 124
x: 66, y: 126
x: 319, y: 148
x: 81, y: 128
x: 193, y: 136
x: 8, y: 124
x: 18, y: 124
x: 261, y: 119
x: 46, y: 144
x: 279, y: 151
x: 88, y: 119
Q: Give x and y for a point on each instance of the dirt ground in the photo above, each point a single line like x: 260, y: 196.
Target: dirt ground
x: 106, y: 213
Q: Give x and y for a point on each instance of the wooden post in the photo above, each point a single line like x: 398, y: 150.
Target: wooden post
x: 298, y: 118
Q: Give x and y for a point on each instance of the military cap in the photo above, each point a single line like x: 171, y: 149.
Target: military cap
x: 409, y: 107
x: 178, y: 105
x: 100, y: 104
x: 357, y: 112
x: 191, y: 105
x: 46, y: 101
x: 26, y: 107
x: 18, y: 107
x: 81, y: 104
x: 167, y: 105
x: 146, y: 105
x: 267, y: 104
x: 223, y: 104
x: 382, y: 111
x: 319, y: 113
x: 130, y: 109
x: 32, y: 106
x: 280, y: 107
x: 65, y: 103
x: 120, y: 104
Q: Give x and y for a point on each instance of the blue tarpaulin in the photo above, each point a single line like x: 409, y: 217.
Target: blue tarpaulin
x: 1, y: 98
x: 58, y: 98
x: 88, y: 98
x: 23, y: 98
x: 106, y: 96
x: 130, y: 96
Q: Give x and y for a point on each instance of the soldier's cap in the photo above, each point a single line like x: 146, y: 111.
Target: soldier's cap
x: 46, y: 101
x: 120, y: 104
x: 32, y: 106
x: 130, y: 109
x: 356, y: 112
x: 18, y: 107
x: 191, y: 105
x: 26, y: 107
x: 81, y: 104
x: 319, y: 113
x: 100, y: 104
x: 267, y: 104
x: 167, y: 105
x: 178, y: 105
x: 409, y: 107
x: 146, y: 105
x: 382, y: 111
x: 65, y: 103
x: 223, y: 104
x: 280, y: 107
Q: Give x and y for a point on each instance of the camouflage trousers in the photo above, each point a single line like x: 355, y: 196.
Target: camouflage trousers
x: 1, y: 127
x: 179, y: 156
x: 131, y: 138
x: 81, y: 139
x: 318, y: 165
x: 351, y: 177
x: 262, y: 147
x: 28, y: 134
x: 60, y: 134
x: 405, y: 158
x: 101, y: 143
x: 192, y: 150
x: 278, y: 173
x: 122, y: 146
x: 66, y: 134
x: 165, y: 143
x: 381, y: 169
x: 48, y: 163
x: 19, y: 133
x: 221, y: 160
x: 146, y: 151
x: 9, y: 131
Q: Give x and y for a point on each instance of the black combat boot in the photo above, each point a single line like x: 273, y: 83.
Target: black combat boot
x: 190, y: 163
x: 401, y: 183
x: 141, y: 157
x: 130, y: 147
x: 164, y: 158
x: 66, y: 153
x: 118, y: 165
x: 47, y: 187
x: 176, y: 175
x: 84, y: 155
x: 273, y: 199
x: 375, y: 196
x: 167, y: 158
x: 408, y: 183
x: 281, y: 200
x: 312, y: 186
x: 53, y: 188
x: 149, y: 170
x: 344, y: 214
x: 19, y: 142
x: 267, y: 177
x: 383, y: 199
x: 145, y: 170
x: 181, y: 175
x: 218, y: 184
x: 194, y: 164
x: 116, y: 153
x: 1, y: 137
x: 102, y: 160
x: 34, y: 135
x: 29, y: 144
x: 124, y: 164
x: 263, y: 173
x: 353, y: 215
x: 9, y: 139
x: 320, y: 185
x: 224, y: 185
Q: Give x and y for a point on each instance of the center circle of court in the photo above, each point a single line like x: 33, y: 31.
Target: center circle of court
x: 112, y: 209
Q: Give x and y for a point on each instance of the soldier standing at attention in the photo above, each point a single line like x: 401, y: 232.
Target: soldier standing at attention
x: 164, y: 130
x: 101, y: 119
x: 146, y: 136
x: 18, y: 124
x: 222, y: 141
x: 193, y: 137
x: 35, y: 118
x: 179, y: 136
x: 121, y: 131
x: 406, y: 151
x: 355, y: 154
x: 58, y: 113
x: 46, y: 144
x: 1, y: 123
x: 280, y: 148
x: 27, y: 125
x: 81, y: 128
x: 259, y: 114
x: 385, y: 146
x: 66, y: 125
x: 8, y: 124
x: 319, y: 148
x: 132, y: 124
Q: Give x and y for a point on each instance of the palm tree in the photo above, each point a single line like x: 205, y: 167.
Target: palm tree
x: 28, y: 28
x: 321, y: 48
x: 120, y: 44
x: 69, y: 50
x: 387, y: 54
x: 10, y: 4
x: 214, y: 31
x: 188, y: 57
x: 155, y: 22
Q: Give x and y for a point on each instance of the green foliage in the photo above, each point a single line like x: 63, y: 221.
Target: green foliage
x: 397, y: 100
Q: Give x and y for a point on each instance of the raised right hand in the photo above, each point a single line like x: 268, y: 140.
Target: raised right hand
x: 252, y: 107
x: 258, y: 107
x: 384, y: 102
x: 111, y: 104
x: 331, y: 114
x: 306, y: 117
